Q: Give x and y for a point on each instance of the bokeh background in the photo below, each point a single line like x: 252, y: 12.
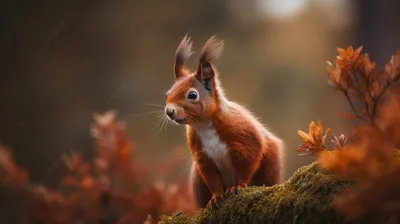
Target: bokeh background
x: 62, y: 61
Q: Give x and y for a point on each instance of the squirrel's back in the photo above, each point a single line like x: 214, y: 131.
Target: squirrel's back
x: 271, y: 169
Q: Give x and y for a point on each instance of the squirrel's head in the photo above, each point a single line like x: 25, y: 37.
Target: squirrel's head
x: 194, y: 96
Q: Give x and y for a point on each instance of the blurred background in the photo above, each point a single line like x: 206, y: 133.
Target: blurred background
x: 62, y: 61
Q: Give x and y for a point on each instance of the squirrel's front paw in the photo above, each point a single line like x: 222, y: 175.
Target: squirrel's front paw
x: 235, y: 189
x: 215, y: 200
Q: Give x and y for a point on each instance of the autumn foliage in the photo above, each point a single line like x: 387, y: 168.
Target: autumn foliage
x: 109, y: 188
x: 366, y: 157
x: 105, y: 190
x: 314, y: 140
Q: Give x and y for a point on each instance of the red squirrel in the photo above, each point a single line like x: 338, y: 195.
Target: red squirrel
x: 231, y: 149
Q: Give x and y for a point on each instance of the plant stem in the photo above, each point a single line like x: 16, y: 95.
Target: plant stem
x: 352, y: 106
x: 361, y: 95
x: 379, y: 97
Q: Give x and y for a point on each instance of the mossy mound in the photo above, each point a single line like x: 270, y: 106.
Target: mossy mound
x: 305, y: 198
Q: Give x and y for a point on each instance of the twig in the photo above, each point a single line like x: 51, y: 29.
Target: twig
x: 378, y: 98
x: 361, y: 95
x: 352, y: 106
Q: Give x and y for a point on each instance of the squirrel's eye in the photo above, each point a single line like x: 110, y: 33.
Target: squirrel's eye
x: 192, y: 95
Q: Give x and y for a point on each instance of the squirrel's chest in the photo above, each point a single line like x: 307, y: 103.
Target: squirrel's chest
x: 218, y: 151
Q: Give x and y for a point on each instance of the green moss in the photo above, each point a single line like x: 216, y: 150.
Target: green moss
x: 305, y: 198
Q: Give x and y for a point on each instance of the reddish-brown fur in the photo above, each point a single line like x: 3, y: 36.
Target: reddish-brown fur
x: 254, y: 154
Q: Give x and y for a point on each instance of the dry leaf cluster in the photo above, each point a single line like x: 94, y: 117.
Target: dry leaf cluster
x: 358, y: 79
x: 107, y: 190
x: 370, y: 158
x: 314, y: 140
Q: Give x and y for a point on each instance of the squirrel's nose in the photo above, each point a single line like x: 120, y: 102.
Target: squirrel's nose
x: 169, y: 112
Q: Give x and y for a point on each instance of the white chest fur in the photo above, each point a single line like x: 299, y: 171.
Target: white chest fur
x: 218, y: 151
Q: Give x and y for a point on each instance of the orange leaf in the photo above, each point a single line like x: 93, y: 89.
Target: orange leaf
x: 314, y: 140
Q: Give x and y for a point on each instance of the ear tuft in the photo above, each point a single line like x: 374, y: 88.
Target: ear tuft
x: 183, y: 52
x: 212, y: 50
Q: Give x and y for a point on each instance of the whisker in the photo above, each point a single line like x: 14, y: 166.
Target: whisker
x: 145, y: 114
x: 190, y: 118
x: 151, y: 121
x: 158, y: 90
x: 158, y: 122
x: 198, y: 115
x: 154, y: 105
x: 165, y: 124
x: 145, y: 122
x: 154, y: 122
x: 141, y: 90
x: 186, y: 156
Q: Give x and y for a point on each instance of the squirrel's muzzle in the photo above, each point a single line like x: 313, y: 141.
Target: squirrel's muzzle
x: 170, y: 112
x: 175, y: 113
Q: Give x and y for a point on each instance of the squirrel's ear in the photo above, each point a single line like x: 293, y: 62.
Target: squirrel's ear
x: 182, y: 53
x: 205, y: 74
x: 204, y: 71
x: 212, y: 49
